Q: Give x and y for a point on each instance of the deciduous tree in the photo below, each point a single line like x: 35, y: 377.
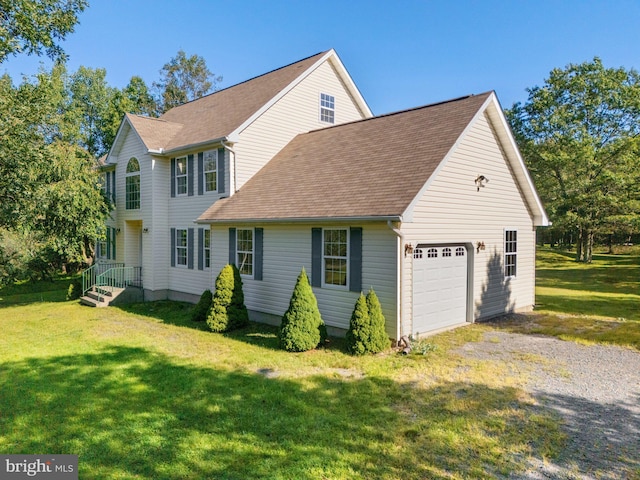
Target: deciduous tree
x: 579, y: 136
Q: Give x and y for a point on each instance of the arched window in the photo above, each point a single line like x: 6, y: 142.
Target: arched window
x: 132, y: 191
x: 460, y: 252
x: 432, y: 253
x: 446, y: 252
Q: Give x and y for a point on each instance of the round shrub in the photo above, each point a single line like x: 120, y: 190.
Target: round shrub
x: 199, y: 312
x: 302, y: 327
x: 228, y: 310
x: 75, y: 290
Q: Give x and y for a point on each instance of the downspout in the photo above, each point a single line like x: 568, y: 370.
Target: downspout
x: 235, y: 170
x: 400, y: 236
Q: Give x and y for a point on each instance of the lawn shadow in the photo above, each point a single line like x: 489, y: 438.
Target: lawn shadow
x: 135, y: 413
x: 25, y: 293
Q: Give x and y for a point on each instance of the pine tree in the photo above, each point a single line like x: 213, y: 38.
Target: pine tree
x: 228, y: 310
x: 302, y: 327
x: 199, y: 312
x: 357, y: 336
x: 366, y: 332
x: 379, y: 341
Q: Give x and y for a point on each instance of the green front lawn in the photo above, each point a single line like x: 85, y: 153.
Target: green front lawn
x: 141, y: 393
x: 599, y: 302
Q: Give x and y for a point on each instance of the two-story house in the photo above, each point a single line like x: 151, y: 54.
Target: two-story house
x: 290, y: 170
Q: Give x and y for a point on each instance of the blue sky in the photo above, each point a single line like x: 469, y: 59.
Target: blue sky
x: 401, y: 54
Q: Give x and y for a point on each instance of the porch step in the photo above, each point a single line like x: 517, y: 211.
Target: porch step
x: 100, y: 296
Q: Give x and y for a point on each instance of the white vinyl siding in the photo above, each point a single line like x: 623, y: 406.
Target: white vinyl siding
x: 452, y: 210
x: 287, y: 249
x: 294, y: 113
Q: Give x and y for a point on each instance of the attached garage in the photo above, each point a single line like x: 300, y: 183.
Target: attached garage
x: 440, y: 296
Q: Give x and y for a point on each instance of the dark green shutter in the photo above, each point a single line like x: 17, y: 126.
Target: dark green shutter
x: 173, y: 247
x: 200, y: 173
x: 108, y: 252
x: 232, y: 246
x: 113, y: 244
x: 221, y: 170
x: 355, y: 259
x: 257, y: 246
x: 190, y: 248
x: 173, y: 177
x: 190, y: 175
x: 201, y: 249
x: 316, y: 257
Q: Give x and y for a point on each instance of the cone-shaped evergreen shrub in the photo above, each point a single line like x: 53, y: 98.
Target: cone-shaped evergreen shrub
x: 379, y: 340
x: 357, y: 336
x: 366, y: 332
x: 199, y: 312
x: 302, y: 327
x: 228, y: 310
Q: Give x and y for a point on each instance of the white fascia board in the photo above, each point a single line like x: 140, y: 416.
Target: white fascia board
x: 351, y: 86
x: 297, y: 220
x: 496, y: 114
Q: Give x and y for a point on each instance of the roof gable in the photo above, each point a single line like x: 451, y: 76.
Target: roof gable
x: 223, y: 114
x: 372, y: 168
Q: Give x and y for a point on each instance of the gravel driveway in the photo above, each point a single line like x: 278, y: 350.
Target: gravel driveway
x: 595, y: 389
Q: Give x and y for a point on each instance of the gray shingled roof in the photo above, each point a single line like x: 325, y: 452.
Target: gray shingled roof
x: 368, y: 168
x: 216, y: 115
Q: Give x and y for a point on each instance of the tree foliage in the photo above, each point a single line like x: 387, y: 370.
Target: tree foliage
x: 228, y: 311
x: 37, y: 26
x: 184, y: 79
x: 579, y: 136
x: 302, y: 327
x: 199, y: 312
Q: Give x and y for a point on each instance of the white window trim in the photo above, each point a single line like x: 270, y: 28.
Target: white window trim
x: 184, y: 175
x: 510, y: 254
x: 252, y: 251
x: 205, y: 171
x: 327, y: 108
x: 126, y: 191
x: 185, y: 247
x: 347, y: 258
x: 206, y: 234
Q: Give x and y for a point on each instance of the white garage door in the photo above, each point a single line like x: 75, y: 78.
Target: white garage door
x: 439, y: 287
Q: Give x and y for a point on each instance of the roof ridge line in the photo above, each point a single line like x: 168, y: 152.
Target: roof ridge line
x: 398, y: 112
x: 250, y: 79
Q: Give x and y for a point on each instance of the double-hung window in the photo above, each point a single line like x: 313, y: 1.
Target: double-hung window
x: 510, y: 252
x: 207, y: 248
x: 327, y: 108
x: 181, y: 247
x: 132, y: 185
x: 210, y: 171
x: 335, y: 251
x: 244, y: 251
x: 181, y: 176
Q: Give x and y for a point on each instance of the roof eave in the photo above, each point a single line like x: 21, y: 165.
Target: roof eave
x: 343, y: 219
x: 186, y: 148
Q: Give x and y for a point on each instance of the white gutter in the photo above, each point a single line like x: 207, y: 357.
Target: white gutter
x: 235, y: 170
x: 390, y: 218
x: 400, y: 271
x: 184, y: 148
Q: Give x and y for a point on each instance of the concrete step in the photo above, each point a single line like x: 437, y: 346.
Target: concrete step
x: 92, y: 302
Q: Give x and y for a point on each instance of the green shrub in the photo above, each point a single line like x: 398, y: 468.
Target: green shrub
x: 379, y: 339
x: 357, y: 336
x: 199, y: 312
x: 75, y: 290
x: 366, y: 332
x: 228, y: 310
x: 302, y: 327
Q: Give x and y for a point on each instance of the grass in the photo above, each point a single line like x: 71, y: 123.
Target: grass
x: 142, y: 393
x: 595, y: 303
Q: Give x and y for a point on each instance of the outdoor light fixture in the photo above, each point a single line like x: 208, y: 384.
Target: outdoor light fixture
x: 481, y: 181
x: 145, y: 230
